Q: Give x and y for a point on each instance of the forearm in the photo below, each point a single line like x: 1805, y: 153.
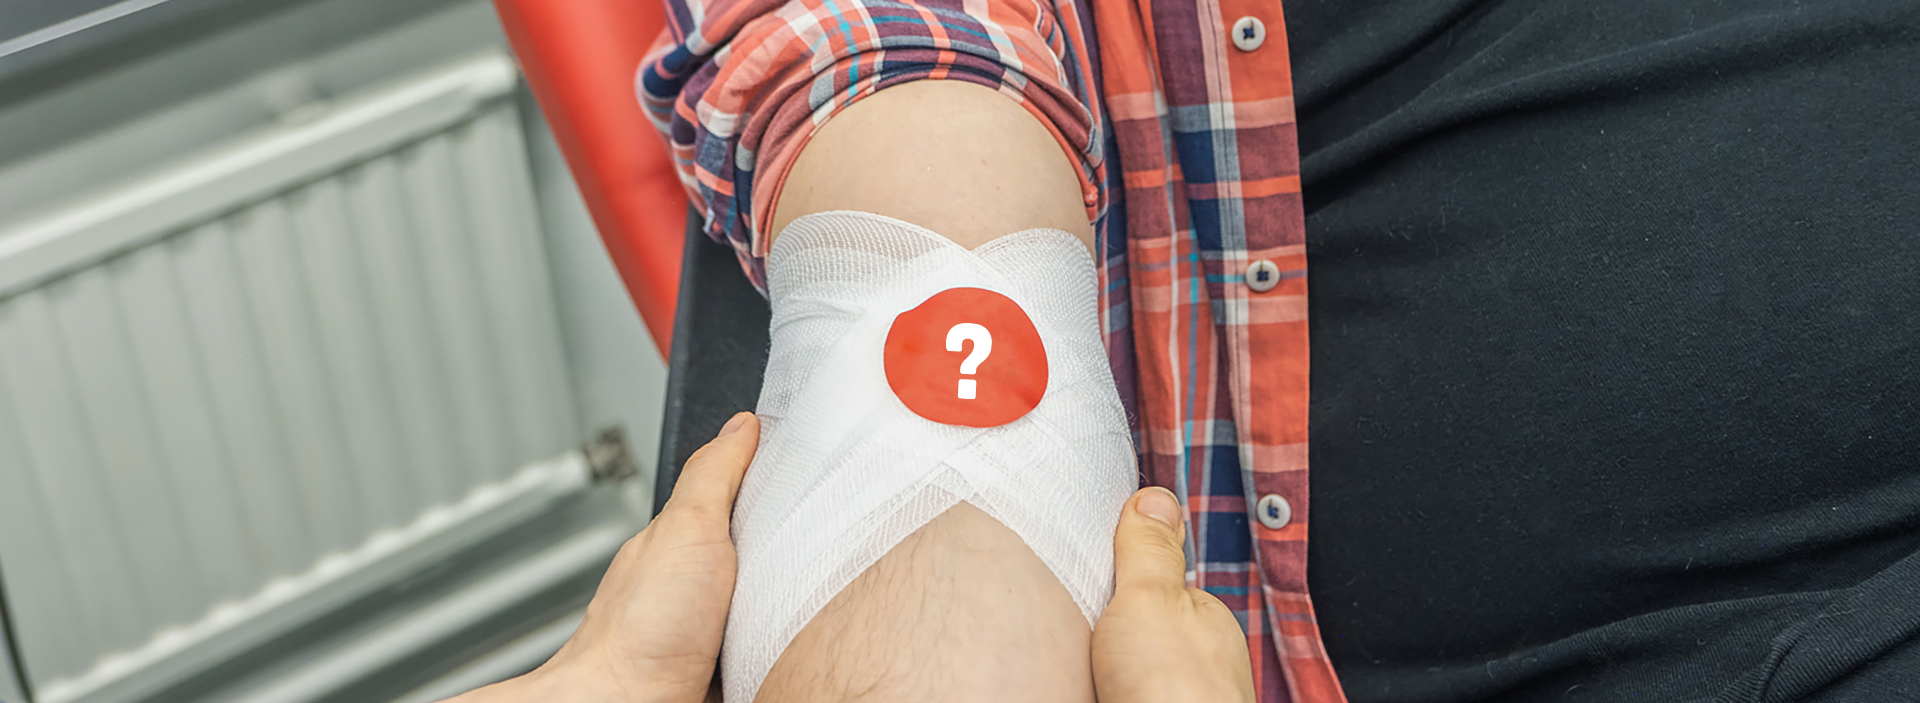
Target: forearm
x: 960, y: 611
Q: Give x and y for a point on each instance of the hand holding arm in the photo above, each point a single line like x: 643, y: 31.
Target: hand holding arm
x: 652, y: 631
x: 1160, y: 641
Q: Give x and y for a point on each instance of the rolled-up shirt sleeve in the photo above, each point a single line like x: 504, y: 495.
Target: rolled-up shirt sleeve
x: 737, y: 87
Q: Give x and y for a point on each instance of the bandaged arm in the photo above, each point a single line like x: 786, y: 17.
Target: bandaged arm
x: 970, y: 165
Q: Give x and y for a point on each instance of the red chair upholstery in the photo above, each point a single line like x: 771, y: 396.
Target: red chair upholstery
x: 580, y: 57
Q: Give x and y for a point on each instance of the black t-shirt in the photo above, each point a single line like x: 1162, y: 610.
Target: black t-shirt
x: 1616, y: 347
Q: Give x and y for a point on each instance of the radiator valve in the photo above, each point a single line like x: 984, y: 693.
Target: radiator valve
x: 608, y: 457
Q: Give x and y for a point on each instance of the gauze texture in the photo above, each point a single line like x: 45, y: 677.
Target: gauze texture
x: 845, y: 471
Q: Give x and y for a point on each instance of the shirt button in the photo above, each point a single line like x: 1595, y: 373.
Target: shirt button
x: 1262, y: 276
x: 1273, y: 511
x: 1249, y: 33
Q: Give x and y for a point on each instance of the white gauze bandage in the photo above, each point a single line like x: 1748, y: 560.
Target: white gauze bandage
x: 845, y: 470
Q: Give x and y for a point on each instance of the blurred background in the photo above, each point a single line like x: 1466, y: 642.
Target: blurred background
x: 316, y: 381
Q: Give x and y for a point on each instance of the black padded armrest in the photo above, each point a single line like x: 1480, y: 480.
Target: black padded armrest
x: 717, y: 357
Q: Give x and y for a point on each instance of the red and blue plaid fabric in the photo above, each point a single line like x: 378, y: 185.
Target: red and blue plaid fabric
x: 1186, y: 150
x: 738, y: 86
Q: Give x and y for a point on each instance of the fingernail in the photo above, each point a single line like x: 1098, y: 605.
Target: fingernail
x: 738, y: 420
x: 1159, y: 504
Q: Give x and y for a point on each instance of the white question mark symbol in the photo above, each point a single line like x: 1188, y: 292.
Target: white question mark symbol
x: 982, y: 346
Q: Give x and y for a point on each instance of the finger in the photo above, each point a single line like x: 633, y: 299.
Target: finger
x: 1147, y: 545
x: 1215, y: 613
x: 711, y: 477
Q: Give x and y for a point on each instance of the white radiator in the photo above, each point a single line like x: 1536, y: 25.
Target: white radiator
x: 228, y: 389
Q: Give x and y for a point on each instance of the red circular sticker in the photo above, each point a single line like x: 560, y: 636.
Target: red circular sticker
x: 966, y: 356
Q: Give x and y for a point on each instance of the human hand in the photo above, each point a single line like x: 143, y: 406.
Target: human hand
x: 1160, y: 641
x: 652, y: 631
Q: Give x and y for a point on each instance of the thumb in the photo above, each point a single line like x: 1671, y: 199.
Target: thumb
x: 1147, y: 547
x: 711, y: 477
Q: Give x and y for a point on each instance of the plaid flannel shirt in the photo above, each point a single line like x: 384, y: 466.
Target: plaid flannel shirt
x: 1185, y: 146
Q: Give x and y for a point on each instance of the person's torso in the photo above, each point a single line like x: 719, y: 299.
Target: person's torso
x: 1615, y: 323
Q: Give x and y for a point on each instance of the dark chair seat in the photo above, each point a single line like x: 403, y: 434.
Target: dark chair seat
x: 718, y: 354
